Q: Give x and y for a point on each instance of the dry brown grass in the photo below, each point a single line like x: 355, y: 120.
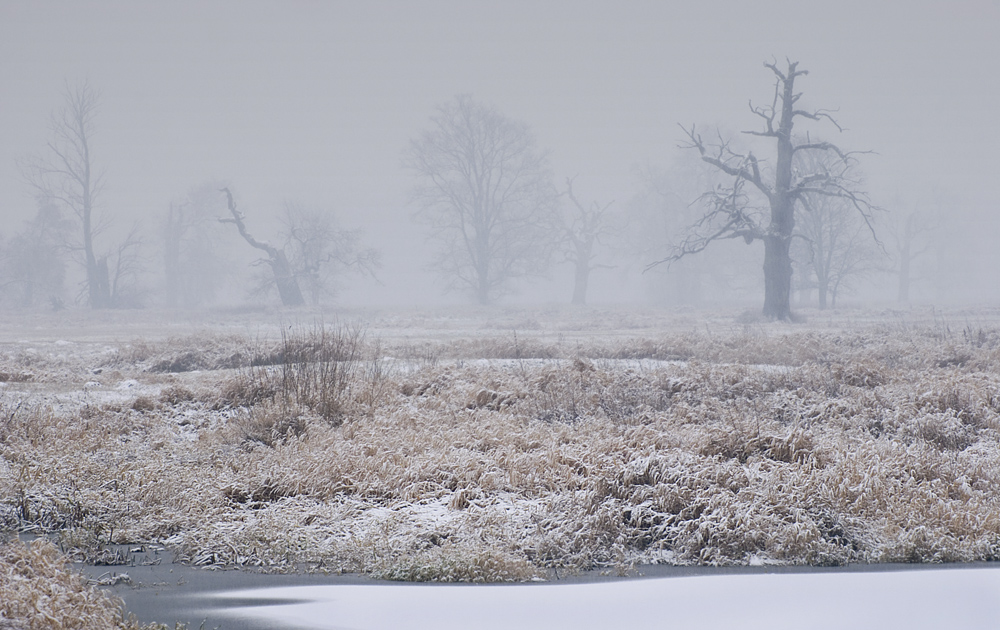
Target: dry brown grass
x: 39, y: 592
x: 480, y: 460
x: 185, y: 354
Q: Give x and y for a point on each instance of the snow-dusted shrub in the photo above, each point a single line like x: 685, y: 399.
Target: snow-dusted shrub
x: 321, y: 369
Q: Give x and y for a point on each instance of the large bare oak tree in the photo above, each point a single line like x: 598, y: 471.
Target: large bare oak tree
x: 487, y: 193
x: 760, y: 200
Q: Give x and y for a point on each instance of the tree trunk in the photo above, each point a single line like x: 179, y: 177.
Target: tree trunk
x: 778, y: 241
x: 581, y: 280
x: 903, y: 296
x: 823, y: 282
x: 777, y: 278
x: 172, y: 255
x: 98, y: 282
x: 483, y: 292
x: 481, y: 243
x: 284, y: 278
x: 102, y: 284
x: 98, y: 289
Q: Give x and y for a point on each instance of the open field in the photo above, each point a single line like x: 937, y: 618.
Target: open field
x: 494, y: 445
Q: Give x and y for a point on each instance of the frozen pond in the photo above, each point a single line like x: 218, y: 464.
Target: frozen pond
x: 967, y: 598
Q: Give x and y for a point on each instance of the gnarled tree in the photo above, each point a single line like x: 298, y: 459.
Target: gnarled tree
x: 759, y: 202
x: 284, y: 277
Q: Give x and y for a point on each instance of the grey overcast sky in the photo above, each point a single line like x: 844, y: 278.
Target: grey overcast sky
x: 315, y: 100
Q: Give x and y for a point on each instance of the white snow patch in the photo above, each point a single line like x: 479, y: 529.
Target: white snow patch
x: 891, y: 600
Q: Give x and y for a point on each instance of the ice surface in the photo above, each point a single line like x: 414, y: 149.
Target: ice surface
x: 927, y: 598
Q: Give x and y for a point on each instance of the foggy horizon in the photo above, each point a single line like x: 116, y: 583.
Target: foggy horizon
x: 314, y: 103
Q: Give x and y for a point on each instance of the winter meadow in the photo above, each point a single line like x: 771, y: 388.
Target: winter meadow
x: 511, y: 292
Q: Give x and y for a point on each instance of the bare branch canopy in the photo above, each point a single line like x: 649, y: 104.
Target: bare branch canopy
x: 486, y: 192
x: 765, y: 210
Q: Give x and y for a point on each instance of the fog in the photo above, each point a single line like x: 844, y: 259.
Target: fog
x: 314, y: 104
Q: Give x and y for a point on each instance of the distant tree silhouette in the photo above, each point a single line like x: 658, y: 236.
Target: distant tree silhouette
x: 487, y: 193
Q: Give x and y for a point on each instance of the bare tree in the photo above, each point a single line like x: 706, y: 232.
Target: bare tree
x: 487, y: 193
x: 760, y: 200
x: 122, y: 268
x: 838, y: 247
x: 33, y: 263
x: 176, y: 225
x: 659, y: 215
x: 193, y: 267
x: 68, y: 175
x: 910, y: 235
x: 318, y: 250
x: 582, y: 228
x: 281, y: 269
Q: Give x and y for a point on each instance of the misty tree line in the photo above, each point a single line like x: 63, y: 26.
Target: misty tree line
x: 68, y: 230
x: 488, y: 196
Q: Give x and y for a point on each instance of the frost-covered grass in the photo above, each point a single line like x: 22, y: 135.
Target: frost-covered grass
x: 39, y: 592
x: 492, y: 455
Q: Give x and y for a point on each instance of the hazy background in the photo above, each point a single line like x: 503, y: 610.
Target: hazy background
x: 315, y: 101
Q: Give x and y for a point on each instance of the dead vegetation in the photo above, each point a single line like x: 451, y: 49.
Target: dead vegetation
x: 39, y: 592
x: 494, y: 460
x: 183, y: 354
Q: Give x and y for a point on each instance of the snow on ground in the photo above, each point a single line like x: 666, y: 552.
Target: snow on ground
x: 904, y: 600
x: 503, y: 445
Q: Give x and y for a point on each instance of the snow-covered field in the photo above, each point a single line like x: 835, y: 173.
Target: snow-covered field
x: 501, y: 445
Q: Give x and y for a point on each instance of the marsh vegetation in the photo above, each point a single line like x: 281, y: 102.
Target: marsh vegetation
x: 509, y: 443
